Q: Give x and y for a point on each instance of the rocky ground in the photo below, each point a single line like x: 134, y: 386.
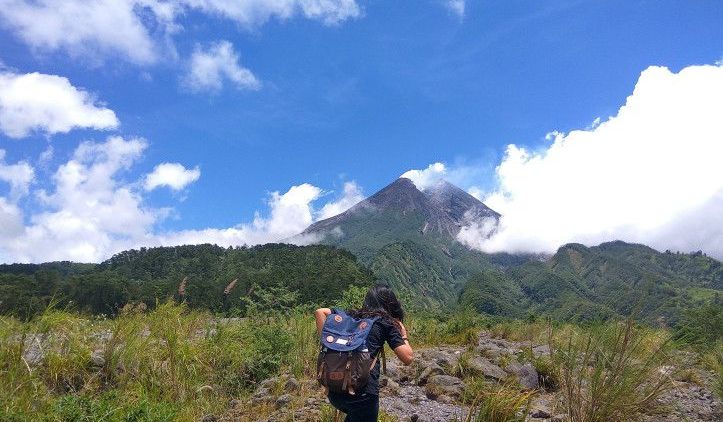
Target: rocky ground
x: 431, y: 389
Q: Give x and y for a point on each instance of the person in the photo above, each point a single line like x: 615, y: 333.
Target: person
x: 381, y: 302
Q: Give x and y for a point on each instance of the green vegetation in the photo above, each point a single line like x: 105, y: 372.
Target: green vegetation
x: 500, y: 404
x: 611, y: 372
x: 612, y: 280
x: 172, y: 363
x: 275, y: 277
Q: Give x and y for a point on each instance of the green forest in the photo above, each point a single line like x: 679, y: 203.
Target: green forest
x: 275, y: 276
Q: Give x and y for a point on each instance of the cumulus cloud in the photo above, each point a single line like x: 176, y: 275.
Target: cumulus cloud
x: 47, y: 103
x: 290, y: 213
x: 172, y: 175
x: 208, y: 69
x: 84, y: 27
x: 352, y: 195
x: 94, y: 208
x: 89, y: 212
x: 18, y: 176
x: 136, y: 30
x: 649, y: 174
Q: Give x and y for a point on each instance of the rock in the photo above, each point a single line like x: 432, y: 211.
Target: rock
x: 541, y: 350
x: 431, y: 370
x: 209, y: 418
x: 234, y: 403
x: 484, y: 367
x: 540, y: 413
x: 283, y: 400
x: 390, y: 386
x: 269, y: 383
x: 262, y: 395
x: 443, y: 385
x: 33, y: 352
x: 291, y: 385
x: 528, y: 377
x: 442, y: 357
x: 97, y: 359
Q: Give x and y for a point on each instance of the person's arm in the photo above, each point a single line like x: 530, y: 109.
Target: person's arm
x: 404, y: 352
x: 320, y: 315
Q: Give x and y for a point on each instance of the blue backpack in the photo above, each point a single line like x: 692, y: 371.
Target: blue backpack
x: 344, y: 362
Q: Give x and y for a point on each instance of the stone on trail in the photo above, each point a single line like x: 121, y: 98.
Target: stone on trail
x: 483, y: 366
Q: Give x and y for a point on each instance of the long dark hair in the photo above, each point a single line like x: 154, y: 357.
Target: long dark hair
x: 380, y: 301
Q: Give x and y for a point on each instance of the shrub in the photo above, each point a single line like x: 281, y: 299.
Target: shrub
x: 500, y: 404
x: 611, y: 373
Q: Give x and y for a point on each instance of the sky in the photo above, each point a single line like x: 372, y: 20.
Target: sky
x: 129, y: 123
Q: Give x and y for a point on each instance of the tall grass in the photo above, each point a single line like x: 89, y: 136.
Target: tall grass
x: 172, y: 363
x: 611, y: 372
x: 503, y: 403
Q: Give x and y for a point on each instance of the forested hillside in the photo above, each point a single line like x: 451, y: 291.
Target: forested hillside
x: 273, y: 275
x: 588, y: 283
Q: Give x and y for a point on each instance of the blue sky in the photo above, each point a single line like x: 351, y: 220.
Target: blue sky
x: 360, y: 91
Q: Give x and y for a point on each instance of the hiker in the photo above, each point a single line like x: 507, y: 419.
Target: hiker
x: 352, y: 348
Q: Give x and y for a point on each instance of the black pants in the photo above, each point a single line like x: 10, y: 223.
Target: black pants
x: 362, y: 408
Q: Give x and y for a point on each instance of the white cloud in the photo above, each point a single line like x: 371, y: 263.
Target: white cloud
x: 456, y: 6
x: 11, y: 221
x: 172, y: 175
x: 426, y: 177
x: 47, y: 103
x: 290, y: 213
x: 352, y: 195
x: 86, y: 28
x: 209, y: 68
x: 251, y: 13
x: 92, y: 212
x: 136, y: 30
x: 18, y: 176
x: 650, y: 174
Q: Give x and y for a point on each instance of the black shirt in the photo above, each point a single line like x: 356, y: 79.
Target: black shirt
x: 382, y: 330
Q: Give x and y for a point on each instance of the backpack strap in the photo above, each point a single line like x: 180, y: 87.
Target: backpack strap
x: 384, y: 361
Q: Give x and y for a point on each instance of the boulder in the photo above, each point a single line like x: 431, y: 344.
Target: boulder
x: 483, y: 366
x: 97, y: 359
x: 291, y: 385
x: 442, y: 357
x: 431, y: 370
x: 442, y: 386
x: 283, y: 400
x: 269, y: 383
x: 528, y: 377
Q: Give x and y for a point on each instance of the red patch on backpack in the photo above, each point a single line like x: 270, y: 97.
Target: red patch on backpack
x: 338, y: 318
x: 363, y: 325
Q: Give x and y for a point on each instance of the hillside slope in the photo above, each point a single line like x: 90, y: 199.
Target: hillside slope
x: 614, y: 278
x: 276, y: 275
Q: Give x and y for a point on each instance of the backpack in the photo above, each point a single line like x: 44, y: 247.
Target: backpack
x: 344, y: 362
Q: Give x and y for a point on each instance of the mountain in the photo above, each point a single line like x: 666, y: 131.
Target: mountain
x: 440, y: 210
x: 407, y: 237
x: 586, y: 283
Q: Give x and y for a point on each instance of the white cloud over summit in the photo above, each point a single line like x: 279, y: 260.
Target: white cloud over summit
x: 650, y: 174
x: 48, y: 104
